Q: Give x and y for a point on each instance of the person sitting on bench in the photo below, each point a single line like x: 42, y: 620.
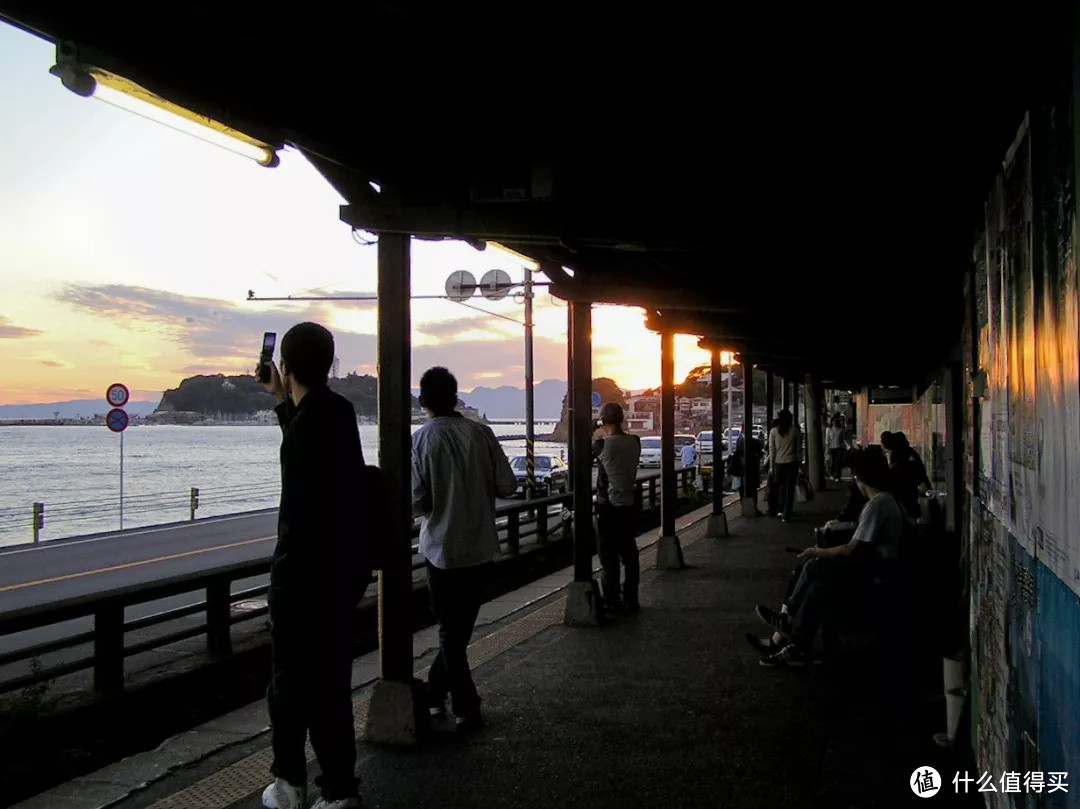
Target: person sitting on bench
x: 848, y: 518
x: 828, y: 572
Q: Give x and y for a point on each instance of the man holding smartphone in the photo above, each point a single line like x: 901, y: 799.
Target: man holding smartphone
x: 321, y: 566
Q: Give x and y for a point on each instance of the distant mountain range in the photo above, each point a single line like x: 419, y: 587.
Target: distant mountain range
x: 202, y: 394
x: 75, y: 409
x: 508, y: 402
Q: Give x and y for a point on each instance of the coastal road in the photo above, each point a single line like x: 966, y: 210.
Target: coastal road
x: 57, y: 570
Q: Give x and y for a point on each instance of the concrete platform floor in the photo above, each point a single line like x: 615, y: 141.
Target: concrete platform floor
x: 665, y: 708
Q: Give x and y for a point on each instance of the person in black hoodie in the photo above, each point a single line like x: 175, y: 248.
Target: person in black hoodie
x: 321, y: 567
x: 909, y: 478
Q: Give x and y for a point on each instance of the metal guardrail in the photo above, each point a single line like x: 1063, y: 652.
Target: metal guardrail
x: 72, y: 512
x: 516, y: 522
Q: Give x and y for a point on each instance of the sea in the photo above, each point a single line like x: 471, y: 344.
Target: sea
x: 75, y: 472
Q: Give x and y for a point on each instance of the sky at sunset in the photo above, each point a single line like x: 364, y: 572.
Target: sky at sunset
x: 127, y: 249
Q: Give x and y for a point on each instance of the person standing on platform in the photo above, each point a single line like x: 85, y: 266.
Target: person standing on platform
x: 458, y: 469
x: 834, y: 440
x: 784, y: 454
x: 321, y: 566
x: 618, y: 454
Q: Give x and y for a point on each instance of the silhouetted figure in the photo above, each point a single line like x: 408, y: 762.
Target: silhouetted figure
x: 321, y: 567
x: 827, y: 572
x: 617, y: 454
x: 784, y: 453
x: 834, y: 441
x: 909, y: 478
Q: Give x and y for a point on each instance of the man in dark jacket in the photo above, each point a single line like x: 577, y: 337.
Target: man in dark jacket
x: 321, y: 567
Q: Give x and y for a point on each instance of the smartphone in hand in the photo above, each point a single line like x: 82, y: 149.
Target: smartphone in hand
x: 266, y: 356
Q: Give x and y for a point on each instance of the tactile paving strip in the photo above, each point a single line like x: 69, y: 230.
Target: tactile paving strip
x: 249, y: 775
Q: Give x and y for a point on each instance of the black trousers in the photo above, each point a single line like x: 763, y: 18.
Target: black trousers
x: 786, y: 476
x: 456, y: 595
x: 311, y: 688
x: 617, y: 529
x: 836, y: 462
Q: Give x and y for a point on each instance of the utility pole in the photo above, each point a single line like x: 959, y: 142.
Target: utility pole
x: 530, y: 460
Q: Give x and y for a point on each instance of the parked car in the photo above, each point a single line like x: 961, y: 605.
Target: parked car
x: 760, y: 433
x: 650, y: 451
x: 551, y: 473
x: 684, y: 440
x: 731, y: 437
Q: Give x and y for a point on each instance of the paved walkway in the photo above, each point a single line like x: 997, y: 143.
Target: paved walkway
x: 667, y: 708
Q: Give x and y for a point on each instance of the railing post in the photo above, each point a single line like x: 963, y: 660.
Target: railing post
x: 194, y: 501
x: 109, y: 648
x: 39, y: 520
x: 652, y: 494
x: 218, y: 610
x: 513, y: 532
x: 542, y: 525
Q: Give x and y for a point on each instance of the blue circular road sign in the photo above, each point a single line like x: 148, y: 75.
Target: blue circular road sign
x: 116, y: 420
x: 595, y: 399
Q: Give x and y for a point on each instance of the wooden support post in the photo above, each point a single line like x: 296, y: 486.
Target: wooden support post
x: 652, y: 494
x: 668, y: 550
x: 583, y: 597
x: 542, y: 525
x: 218, y: 609
x: 109, y: 648
x: 398, y: 710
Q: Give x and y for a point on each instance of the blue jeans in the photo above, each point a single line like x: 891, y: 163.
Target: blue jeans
x: 821, y: 583
x: 456, y: 596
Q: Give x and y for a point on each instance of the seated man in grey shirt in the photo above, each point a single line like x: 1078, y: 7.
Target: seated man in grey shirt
x: 617, y: 454
x: 874, y: 547
x: 458, y: 469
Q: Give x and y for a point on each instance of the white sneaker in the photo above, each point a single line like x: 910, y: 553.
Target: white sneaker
x: 341, y: 803
x: 283, y: 795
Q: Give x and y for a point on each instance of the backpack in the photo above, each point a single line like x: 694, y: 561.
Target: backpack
x: 380, y: 517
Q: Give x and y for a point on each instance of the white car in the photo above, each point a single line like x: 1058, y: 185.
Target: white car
x: 731, y: 437
x: 650, y: 451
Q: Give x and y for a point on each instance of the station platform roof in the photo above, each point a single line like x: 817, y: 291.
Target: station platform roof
x: 802, y: 185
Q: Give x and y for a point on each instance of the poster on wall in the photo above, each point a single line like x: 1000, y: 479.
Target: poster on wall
x: 990, y: 657
x: 1057, y: 406
x: 995, y: 410
x: 1018, y: 317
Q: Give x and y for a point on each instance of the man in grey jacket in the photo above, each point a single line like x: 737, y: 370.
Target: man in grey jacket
x: 458, y: 469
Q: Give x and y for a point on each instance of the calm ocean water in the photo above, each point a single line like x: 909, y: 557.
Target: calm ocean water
x: 75, y: 472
